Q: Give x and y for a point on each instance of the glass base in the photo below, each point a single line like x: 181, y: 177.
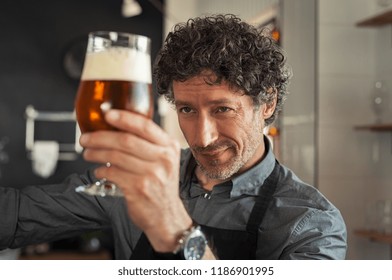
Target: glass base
x: 100, y: 188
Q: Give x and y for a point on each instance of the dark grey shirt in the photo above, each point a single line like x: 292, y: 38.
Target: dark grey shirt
x: 300, y: 224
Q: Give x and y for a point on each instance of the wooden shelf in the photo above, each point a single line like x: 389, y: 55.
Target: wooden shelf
x: 377, y: 20
x: 374, y: 235
x: 375, y: 127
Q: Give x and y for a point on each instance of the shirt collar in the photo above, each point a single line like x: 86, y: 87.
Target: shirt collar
x: 250, y: 181
x: 247, y: 183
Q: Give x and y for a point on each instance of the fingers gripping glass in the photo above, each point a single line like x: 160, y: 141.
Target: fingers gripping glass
x: 116, y: 74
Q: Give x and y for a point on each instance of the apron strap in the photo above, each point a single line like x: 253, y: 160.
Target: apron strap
x: 262, y: 202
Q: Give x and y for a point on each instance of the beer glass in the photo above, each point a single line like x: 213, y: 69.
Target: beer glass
x: 116, y: 74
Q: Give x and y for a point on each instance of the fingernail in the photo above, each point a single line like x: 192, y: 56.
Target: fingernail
x: 113, y: 115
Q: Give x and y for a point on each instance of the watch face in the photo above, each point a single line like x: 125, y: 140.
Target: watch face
x: 195, y: 246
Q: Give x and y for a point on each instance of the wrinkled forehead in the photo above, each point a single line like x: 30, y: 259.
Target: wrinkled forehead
x: 207, y: 78
x: 197, y: 92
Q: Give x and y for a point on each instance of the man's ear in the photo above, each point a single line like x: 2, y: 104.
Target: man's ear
x: 269, y: 108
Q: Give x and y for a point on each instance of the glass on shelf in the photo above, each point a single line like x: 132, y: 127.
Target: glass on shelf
x: 379, y: 216
x: 380, y: 101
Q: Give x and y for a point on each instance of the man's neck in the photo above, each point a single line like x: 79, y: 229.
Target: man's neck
x: 206, y: 182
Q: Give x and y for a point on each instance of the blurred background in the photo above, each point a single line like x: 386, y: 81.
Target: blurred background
x: 335, y: 130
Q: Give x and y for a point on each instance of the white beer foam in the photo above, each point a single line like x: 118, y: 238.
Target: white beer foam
x: 117, y: 63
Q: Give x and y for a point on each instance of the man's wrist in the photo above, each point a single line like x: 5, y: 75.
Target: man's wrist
x: 191, y: 244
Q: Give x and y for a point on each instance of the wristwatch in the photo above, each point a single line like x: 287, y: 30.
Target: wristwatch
x: 192, y: 244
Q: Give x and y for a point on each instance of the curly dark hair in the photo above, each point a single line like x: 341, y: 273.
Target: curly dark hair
x: 236, y: 52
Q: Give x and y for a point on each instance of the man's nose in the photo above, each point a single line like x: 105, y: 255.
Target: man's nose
x: 206, y: 131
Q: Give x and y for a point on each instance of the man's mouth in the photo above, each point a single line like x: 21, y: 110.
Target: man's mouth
x: 212, y: 153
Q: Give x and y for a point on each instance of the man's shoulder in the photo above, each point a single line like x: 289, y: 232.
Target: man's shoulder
x: 295, y: 192
x: 302, y: 206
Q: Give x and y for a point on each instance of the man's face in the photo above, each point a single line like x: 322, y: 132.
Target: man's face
x: 221, y: 126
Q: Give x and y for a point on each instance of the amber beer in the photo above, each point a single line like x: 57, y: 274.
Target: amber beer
x: 117, y: 77
x: 97, y: 96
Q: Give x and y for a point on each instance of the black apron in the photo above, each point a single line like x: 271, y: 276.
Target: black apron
x: 225, y: 244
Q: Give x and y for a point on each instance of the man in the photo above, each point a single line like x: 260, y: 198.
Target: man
x: 227, y: 82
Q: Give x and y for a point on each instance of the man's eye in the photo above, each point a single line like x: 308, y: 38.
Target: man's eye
x: 223, y: 109
x: 185, y: 110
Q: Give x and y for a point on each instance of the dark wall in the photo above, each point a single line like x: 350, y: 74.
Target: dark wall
x: 34, y: 37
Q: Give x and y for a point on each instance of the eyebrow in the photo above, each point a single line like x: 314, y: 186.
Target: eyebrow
x: 210, y: 102
x: 181, y: 103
